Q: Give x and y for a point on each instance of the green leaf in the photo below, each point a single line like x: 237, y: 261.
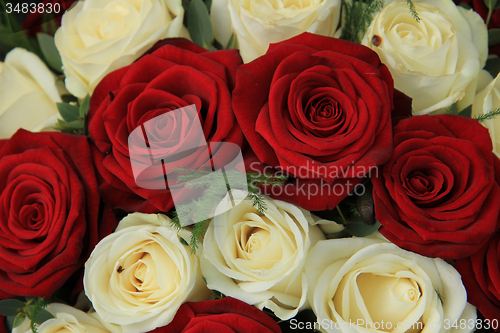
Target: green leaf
x: 76, y: 124
x: 18, y: 320
x: 9, y: 307
x: 493, y: 37
x: 465, y: 5
x: 452, y: 109
x: 493, y: 66
x: 467, y: 112
x: 183, y: 241
x: 84, y: 106
x: 68, y: 112
x: 68, y: 98
x: 38, y: 315
x: 49, y: 27
x: 50, y: 51
x: 41, y: 316
x: 232, y: 42
x: 68, y: 130
x: 208, y: 3
x: 490, y: 4
x: 358, y: 228
x: 199, y: 24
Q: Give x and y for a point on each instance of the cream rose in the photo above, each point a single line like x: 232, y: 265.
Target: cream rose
x: 257, y: 23
x: 139, y: 276
x: 66, y: 320
x: 434, y: 61
x: 488, y: 99
x: 28, y: 93
x: 369, y: 282
x: 98, y: 36
x: 259, y: 258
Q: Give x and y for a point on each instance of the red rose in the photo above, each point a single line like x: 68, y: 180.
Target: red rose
x: 32, y: 23
x: 176, y: 74
x: 220, y: 316
x: 318, y: 109
x: 3, y: 327
x: 481, y: 273
x: 437, y: 196
x: 48, y: 212
x: 481, y: 278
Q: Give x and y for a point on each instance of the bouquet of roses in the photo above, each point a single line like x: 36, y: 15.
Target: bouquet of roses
x: 249, y: 166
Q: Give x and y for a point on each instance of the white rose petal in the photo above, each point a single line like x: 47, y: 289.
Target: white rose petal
x: 259, y: 258
x: 485, y: 101
x: 435, y: 61
x: 97, y: 37
x: 141, y: 274
x: 358, y: 283
x: 28, y: 93
x: 67, y: 319
x: 257, y: 24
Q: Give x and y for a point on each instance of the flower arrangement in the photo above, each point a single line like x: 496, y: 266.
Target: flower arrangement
x: 249, y: 166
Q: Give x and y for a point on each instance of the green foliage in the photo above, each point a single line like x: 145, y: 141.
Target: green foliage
x: 74, y: 116
x: 358, y: 228
x: 199, y: 24
x: 413, y: 11
x: 49, y: 26
x: 9, y: 307
x: 493, y: 66
x: 357, y: 18
x: 493, y: 37
x: 231, y: 44
x: 17, y: 310
x: 465, y: 5
x: 216, y: 295
x: 256, y: 180
x: 10, y: 39
x: 488, y: 116
x: 50, y: 52
x: 353, y: 209
x: 467, y: 112
x: 491, y: 4
x: 452, y: 109
x: 216, y: 186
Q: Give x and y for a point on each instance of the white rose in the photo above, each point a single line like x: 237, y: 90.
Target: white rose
x: 488, y: 99
x: 369, y: 282
x: 258, y: 23
x: 28, y: 93
x: 258, y: 258
x: 67, y: 319
x: 139, y: 276
x: 434, y: 61
x: 97, y: 37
